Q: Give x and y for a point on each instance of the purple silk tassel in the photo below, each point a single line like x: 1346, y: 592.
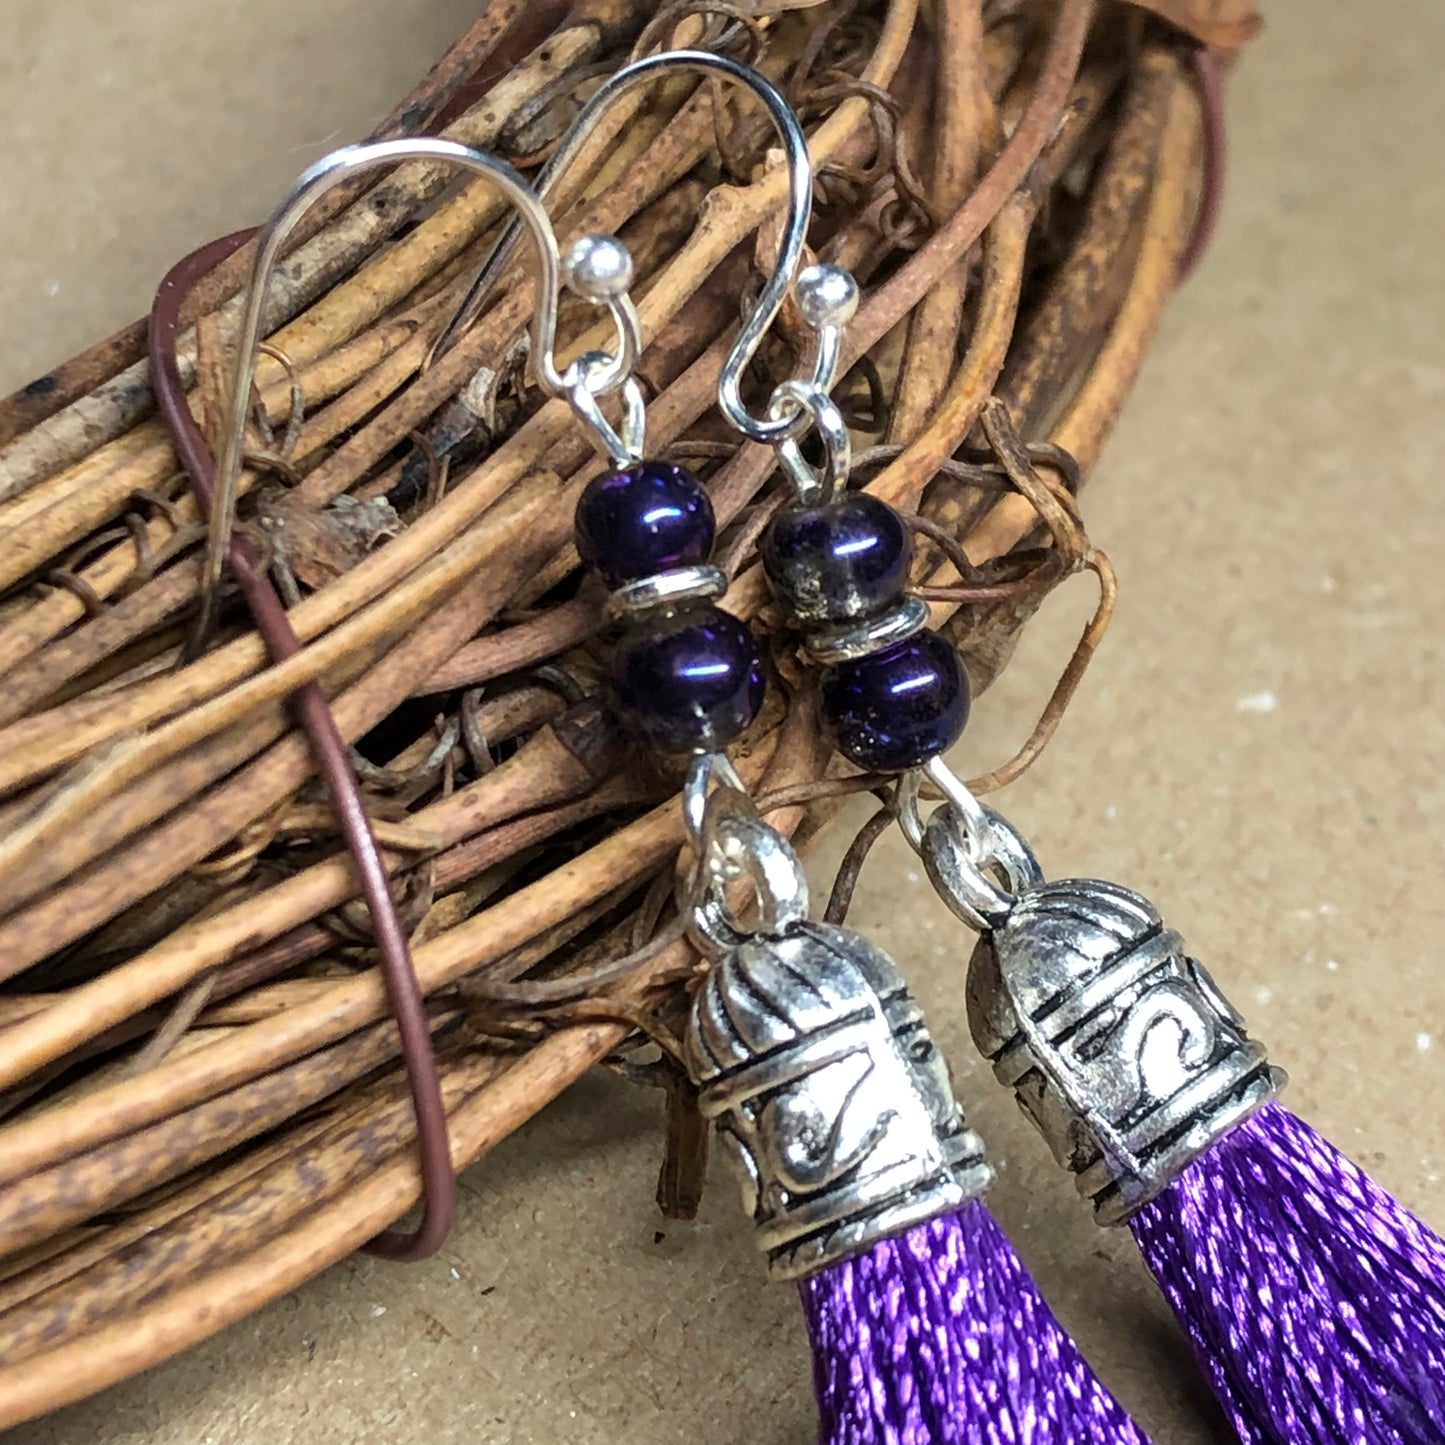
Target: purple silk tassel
x: 1315, y: 1301
x: 940, y: 1337
x: 863, y: 1180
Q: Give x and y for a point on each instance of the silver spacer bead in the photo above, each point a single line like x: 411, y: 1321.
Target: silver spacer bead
x: 668, y: 589
x: 872, y: 634
x: 1117, y: 1044
x: 815, y: 1063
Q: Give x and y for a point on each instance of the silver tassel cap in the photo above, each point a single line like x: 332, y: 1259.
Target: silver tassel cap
x: 816, y: 1065
x: 1116, y: 1043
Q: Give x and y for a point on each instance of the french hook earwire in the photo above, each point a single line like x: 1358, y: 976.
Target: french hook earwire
x: 313, y: 183
x: 824, y: 306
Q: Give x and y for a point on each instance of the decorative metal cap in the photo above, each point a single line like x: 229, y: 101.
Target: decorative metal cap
x: 1117, y: 1044
x: 816, y: 1064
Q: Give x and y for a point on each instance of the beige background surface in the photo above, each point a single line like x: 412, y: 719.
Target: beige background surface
x: 1260, y: 746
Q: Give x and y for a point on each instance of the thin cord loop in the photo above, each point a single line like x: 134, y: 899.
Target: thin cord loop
x: 314, y: 713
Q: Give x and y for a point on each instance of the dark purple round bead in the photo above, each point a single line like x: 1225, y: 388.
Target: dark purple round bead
x: 690, y: 682
x: 897, y: 708
x: 644, y: 519
x: 839, y: 562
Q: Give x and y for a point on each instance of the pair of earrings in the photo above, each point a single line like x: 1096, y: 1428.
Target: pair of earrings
x: 1316, y: 1303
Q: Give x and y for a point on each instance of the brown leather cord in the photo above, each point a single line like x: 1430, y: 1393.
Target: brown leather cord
x: 1210, y: 81
x: 314, y: 713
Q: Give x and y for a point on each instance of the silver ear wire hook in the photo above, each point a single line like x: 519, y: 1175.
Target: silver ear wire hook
x: 822, y: 306
x: 330, y: 171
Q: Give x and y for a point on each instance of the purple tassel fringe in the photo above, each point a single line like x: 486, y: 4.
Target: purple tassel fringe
x: 1316, y: 1303
x: 940, y: 1337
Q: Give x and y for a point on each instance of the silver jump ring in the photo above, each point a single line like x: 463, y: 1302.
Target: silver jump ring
x: 961, y: 843
x: 815, y: 486
x: 971, y: 818
x: 965, y: 886
x: 602, y: 372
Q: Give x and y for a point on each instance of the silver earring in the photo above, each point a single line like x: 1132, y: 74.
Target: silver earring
x: 826, y: 310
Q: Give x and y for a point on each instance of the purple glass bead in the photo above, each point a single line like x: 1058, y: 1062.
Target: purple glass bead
x: 897, y: 708
x: 690, y: 682
x: 836, y: 563
x: 644, y: 519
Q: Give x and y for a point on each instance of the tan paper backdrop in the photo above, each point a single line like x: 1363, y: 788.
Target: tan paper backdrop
x: 1260, y: 746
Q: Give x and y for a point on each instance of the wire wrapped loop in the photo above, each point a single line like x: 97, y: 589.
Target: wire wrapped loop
x: 816, y: 485
x: 733, y: 844
x: 976, y: 859
x: 624, y: 443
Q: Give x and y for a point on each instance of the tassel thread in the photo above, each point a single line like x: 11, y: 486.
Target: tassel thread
x: 1315, y: 1301
x: 941, y: 1337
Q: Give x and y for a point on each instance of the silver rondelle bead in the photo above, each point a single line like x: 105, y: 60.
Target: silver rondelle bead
x: 1117, y: 1044
x: 871, y: 634
x: 816, y: 1064
x: 668, y: 589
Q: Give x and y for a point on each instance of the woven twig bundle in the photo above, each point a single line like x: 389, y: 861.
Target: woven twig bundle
x: 201, y: 1097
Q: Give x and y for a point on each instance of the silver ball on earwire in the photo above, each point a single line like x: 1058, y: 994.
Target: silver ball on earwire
x: 826, y: 295
x: 598, y: 268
